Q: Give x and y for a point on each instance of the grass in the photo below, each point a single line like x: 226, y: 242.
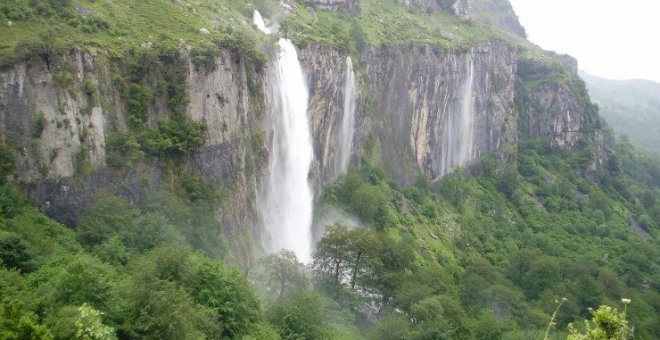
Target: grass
x: 131, y: 25
x: 383, y: 23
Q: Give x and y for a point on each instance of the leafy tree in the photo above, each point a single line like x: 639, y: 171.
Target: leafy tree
x: 284, y: 270
x: 89, y: 325
x: 300, y: 316
x: 607, y: 324
x: 15, y: 254
x: 106, y: 217
x: 17, y: 324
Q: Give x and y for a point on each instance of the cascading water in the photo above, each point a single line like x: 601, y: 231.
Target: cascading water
x: 458, y: 144
x: 260, y: 22
x: 287, y: 207
x: 348, y: 121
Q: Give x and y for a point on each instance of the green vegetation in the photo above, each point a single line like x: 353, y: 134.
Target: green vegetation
x: 631, y: 107
x: 382, y: 23
x: 486, y: 255
x: 523, y: 244
x: 115, y: 27
x: 482, y: 255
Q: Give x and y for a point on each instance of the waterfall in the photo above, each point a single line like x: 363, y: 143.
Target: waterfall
x: 287, y: 206
x: 458, y: 139
x: 348, y: 121
x: 260, y: 22
x: 467, y: 118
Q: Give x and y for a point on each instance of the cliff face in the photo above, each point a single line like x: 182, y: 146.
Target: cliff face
x: 58, y: 114
x: 411, y: 103
x: 418, y: 95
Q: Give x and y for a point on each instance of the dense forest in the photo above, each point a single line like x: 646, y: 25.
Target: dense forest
x: 533, y: 240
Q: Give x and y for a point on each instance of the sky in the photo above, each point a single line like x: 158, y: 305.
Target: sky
x: 614, y: 39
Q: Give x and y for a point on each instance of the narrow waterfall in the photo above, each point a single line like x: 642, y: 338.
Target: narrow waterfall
x: 287, y: 205
x: 348, y: 121
x: 260, y: 22
x: 466, y: 144
x: 458, y: 139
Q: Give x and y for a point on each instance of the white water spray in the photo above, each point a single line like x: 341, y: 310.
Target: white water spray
x: 458, y: 142
x: 348, y: 121
x: 287, y: 208
x: 260, y: 22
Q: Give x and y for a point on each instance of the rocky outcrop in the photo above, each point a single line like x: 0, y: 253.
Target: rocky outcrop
x: 553, y: 102
x: 422, y: 5
x: 57, y: 114
x: 498, y: 13
x: 350, y: 6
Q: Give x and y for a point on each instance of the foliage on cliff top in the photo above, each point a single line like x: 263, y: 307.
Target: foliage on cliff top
x: 30, y: 27
x: 40, y: 27
x: 385, y: 23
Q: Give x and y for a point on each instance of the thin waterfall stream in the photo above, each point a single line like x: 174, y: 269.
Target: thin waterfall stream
x: 348, y: 120
x: 458, y: 138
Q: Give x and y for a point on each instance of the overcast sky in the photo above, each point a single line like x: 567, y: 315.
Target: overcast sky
x: 615, y: 39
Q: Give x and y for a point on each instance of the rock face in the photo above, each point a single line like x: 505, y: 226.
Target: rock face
x: 423, y: 5
x: 413, y: 96
x: 58, y: 114
x: 553, y: 102
x: 418, y: 92
x: 350, y: 6
x: 326, y: 76
x: 498, y: 13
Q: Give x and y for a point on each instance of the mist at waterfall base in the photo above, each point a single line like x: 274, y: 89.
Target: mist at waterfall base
x: 288, y: 202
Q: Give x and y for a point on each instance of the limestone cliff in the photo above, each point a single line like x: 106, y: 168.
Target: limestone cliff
x: 59, y: 113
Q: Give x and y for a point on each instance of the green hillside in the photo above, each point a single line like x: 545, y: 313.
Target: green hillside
x: 631, y: 107
x: 483, y: 254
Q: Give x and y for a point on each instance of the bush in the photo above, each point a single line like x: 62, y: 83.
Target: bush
x: 138, y: 99
x: 301, y: 316
x: 15, y: 254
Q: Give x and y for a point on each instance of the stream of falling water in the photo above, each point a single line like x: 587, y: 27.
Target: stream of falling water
x: 348, y: 121
x: 287, y: 207
x: 458, y: 144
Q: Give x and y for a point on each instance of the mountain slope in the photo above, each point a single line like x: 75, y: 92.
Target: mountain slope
x: 631, y: 107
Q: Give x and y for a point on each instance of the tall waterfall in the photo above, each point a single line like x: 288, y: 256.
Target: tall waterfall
x: 458, y: 143
x: 348, y: 121
x: 287, y: 207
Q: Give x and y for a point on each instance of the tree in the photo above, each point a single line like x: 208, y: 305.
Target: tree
x: 89, y: 325
x: 300, y: 316
x: 330, y: 258
x: 14, y: 253
x: 284, y: 270
x: 349, y: 256
x: 607, y: 324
